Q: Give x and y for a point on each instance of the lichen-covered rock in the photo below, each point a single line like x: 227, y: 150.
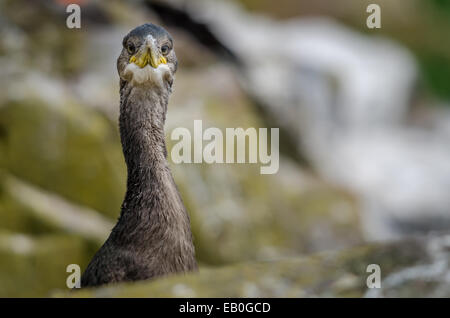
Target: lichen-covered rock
x: 328, y: 274
x: 237, y: 215
x: 28, y: 209
x: 67, y: 149
x: 18, y: 217
x: 34, y: 266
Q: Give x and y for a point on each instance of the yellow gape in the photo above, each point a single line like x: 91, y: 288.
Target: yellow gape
x: 148, y: 57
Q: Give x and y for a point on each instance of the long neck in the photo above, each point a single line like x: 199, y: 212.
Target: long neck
x: 152, y: 208
x: 141, y: 122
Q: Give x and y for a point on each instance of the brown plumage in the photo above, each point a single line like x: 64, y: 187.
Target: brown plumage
x: 152, y: 236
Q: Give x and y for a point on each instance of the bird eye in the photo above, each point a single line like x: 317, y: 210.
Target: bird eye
x: 165, y: 49
x: 130, y: 48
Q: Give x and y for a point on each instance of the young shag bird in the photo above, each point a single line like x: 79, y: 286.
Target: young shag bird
x: 152, y: 236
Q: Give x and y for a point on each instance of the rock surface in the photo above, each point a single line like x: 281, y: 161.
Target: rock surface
x: 410, y: 268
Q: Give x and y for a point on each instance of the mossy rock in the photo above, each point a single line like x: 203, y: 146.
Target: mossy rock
x: 327, y: 274
x: 34, y: 267
x: 68, y: 149
x: 29, y: 209
x: 17, y: 217
x: 239, y: 215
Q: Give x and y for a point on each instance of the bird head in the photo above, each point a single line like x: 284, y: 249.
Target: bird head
x: 147, y: 56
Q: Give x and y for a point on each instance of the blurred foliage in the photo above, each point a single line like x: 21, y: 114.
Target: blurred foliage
x: 443, y: 5
x: 436, y: 72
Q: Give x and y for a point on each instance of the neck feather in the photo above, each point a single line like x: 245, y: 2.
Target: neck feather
x: 141, y: 121
x: 153, y: 220
x: 151, y: 189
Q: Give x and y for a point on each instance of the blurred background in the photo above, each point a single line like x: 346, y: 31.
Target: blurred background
x: 364, y: 118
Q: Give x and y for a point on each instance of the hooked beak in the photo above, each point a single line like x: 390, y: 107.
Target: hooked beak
x: 148, y: 54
